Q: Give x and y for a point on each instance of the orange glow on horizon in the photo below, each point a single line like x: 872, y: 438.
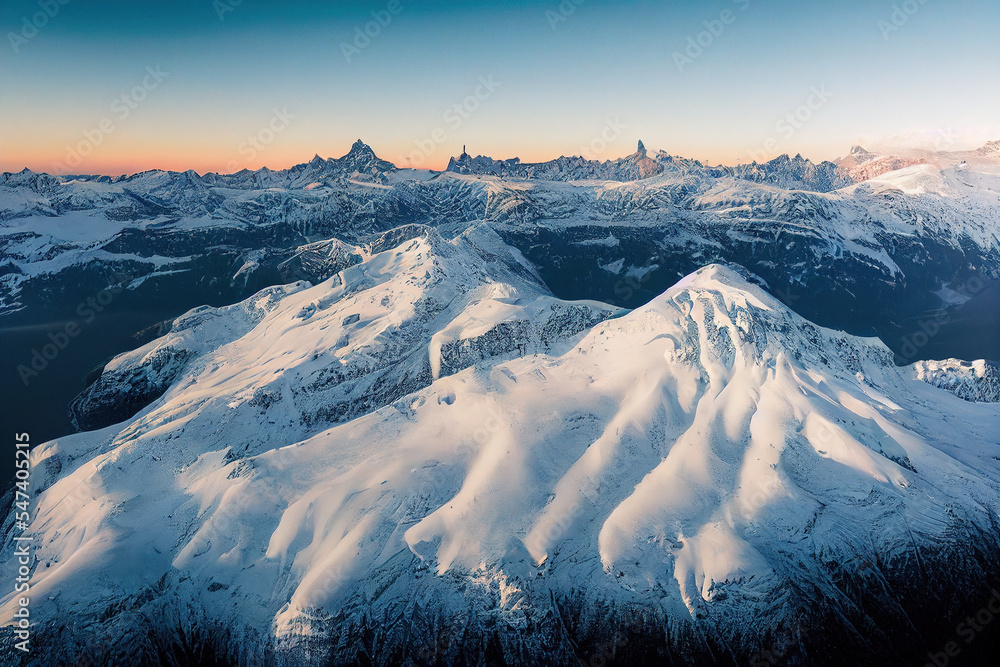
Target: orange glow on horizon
x: 226, y: 160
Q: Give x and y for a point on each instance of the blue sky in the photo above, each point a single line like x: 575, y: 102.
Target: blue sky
x: 559, y: 76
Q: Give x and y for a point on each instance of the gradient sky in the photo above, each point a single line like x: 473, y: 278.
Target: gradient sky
x: 935, y: 79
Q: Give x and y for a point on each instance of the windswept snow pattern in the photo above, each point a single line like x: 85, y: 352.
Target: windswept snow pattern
x: 710, y: 458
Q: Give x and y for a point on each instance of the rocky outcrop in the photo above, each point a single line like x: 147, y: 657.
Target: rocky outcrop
x: 119, y: 394
x: 976, y: 381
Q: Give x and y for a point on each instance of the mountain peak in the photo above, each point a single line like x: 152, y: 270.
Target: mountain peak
x: 361, y: 160
x: 989, y: 148
x: 641, y: 149
x: 361, y: 147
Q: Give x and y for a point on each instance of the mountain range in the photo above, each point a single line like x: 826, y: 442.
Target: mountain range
x: 635, y: 411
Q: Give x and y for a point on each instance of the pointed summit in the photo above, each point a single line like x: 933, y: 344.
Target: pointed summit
x: 360, y: 147
x: 641, y: 149
x: 361, y: 162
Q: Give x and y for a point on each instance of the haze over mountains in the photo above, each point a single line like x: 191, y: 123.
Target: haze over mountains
x: 638, y: 410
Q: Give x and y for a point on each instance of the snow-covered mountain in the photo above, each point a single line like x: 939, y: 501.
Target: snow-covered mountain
x: 911, y: 255
x: 897, y: 239
x: 782, y: 171
x: 861, y: 165
x: 485, y: 298
x: 521, y: 413
x: 427, y: 458
x: 634, y: 167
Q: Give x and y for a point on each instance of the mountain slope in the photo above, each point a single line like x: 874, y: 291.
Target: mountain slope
x: 910, y: 256
x: 707, y: 476
x: 865, y: 257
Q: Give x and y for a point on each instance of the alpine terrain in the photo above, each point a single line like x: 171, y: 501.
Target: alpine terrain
x: 636, y: 411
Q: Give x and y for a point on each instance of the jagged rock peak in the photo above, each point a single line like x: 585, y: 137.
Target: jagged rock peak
x: 363, y: 160
x: 361, y: 147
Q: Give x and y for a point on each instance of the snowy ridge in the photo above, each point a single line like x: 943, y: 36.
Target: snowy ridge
x: 634, y: 167
x: 709, y: 462
x: 50, y: 225
x: 861, y: 165
x: 782, y: 171
x: 373, y: 317
x: 977, y: 381
x: 133, y: 380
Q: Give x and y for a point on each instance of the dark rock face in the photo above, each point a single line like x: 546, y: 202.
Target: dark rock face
x: 119, y: 394
x: 519, y: 337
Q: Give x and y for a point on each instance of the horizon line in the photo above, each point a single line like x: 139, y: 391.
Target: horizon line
x: 397, y: 167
